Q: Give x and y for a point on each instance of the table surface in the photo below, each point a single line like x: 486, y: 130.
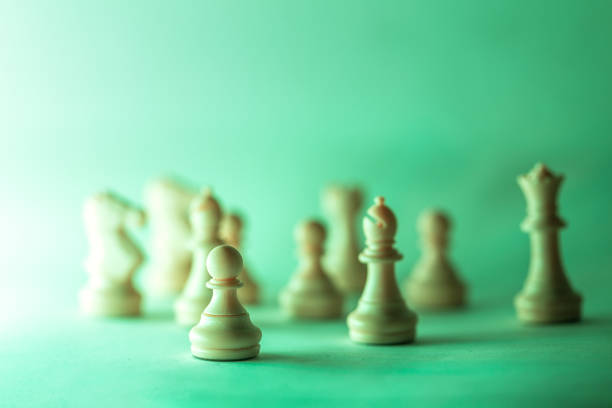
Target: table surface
x: 480, y: 356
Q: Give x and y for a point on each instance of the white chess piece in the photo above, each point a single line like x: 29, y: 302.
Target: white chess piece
x: 167, y: 204
x: 205, y: 215
x: 310, y: 293
x: 225, y: 331
x: 113, y: 257
x: 231, y: 233
x: 382, y: 316
x: 434, y: 283
x: 547, y: 296
x: 341, y: 205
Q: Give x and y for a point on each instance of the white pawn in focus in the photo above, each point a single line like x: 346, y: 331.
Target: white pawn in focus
x: 167, y: 204
x: 341, y: 205
x: 434, y: 283
x: 310, y: 293
x: 225, y: 331
x: 231, y: 233
x: 205, y: 215
x: 113, y: 257
x: 547, y: 296
x: 382, y: 316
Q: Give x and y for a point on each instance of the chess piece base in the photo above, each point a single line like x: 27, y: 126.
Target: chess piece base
x: 225, y: 338
x: 434, y: 296
x: 309, y: 306
x: 225, y: 354
x: 536, y: 309
x: 188, y: 311
x: 109, y: 302
x: 380, y: 325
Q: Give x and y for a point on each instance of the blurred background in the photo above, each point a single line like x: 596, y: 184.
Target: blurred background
x: 428, y: 103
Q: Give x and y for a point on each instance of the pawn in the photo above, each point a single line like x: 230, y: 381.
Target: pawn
x: 113, y: 257
x: 310, y: 293
x: 205, y: 215
x: 434, y: 283
x: 382, y: 316
x: 231, y: 233
x: 225, y: 331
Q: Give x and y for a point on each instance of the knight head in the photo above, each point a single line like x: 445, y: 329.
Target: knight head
x: 108, y: 211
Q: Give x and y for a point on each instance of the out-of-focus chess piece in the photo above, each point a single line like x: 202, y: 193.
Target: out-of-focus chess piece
x: 341, y: 205
x: 310, y: 293
x: 167, y: 203
x: 547, y: 296
x: 205, y: 215
x: 231, y: 233
x: 113, y: 257
x: 382, y: 316
x: 225, y: 331
x: 434, y: 283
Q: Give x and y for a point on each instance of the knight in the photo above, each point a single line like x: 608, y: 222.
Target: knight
x: 113, y: 256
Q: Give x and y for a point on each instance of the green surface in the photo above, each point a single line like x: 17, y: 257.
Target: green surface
x: 428, y: 103
x: 478, y: 357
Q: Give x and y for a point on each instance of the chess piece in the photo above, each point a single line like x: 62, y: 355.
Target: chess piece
x: 382, y: 316
x: 113, y: 257
x: 434, y: 284
x: 547, y: 296
x: 231, y: 233
x: 167, y: 204
x: 342, y: 204
x: 310, y: 293
x: 225, y: 331
x: 205, y: 215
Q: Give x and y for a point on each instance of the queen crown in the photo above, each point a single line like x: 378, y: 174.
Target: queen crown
x: 541, y: 187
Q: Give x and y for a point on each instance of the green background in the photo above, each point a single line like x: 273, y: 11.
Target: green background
x: 429, y: 103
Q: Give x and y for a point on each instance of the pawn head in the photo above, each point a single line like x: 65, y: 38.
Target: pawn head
x: 380, y: 223
x: 433, y: 222
x: 224, y: 262
x: 309, y: 232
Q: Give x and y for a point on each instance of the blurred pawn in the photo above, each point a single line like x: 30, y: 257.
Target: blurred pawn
x: 310, y: 293
x: 231, y: 233
x: 434, y: 283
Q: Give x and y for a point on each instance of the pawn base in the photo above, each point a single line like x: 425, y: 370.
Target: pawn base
x: 308, y: 306
x: 109, y: 302
x: 225, y: 354
x: 382, y: 328
x: 382, y: 339
x: 432, y: 296
x: 535, y: 309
